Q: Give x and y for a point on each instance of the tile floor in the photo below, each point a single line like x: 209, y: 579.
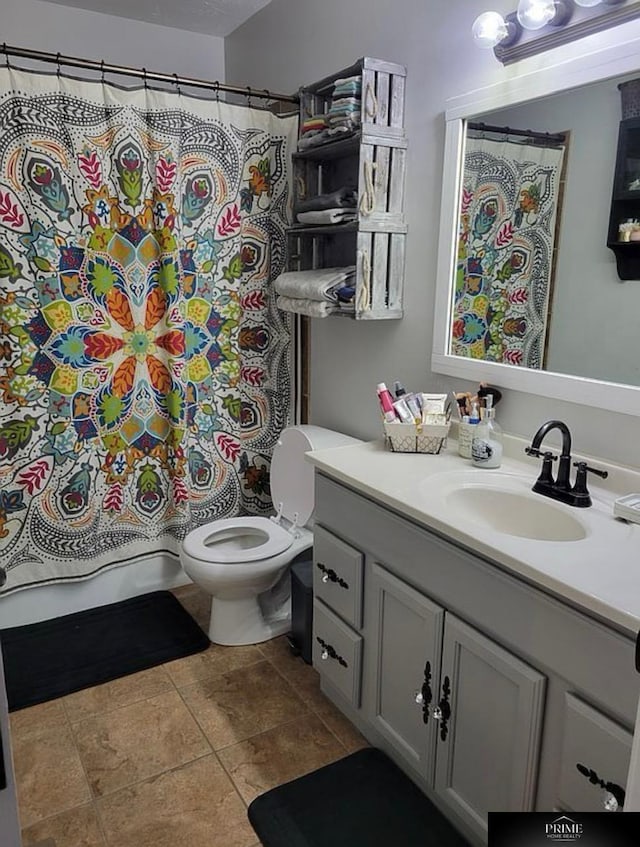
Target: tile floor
x: 173, y: 755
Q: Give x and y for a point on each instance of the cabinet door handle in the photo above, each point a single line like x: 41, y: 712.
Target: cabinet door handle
x: 442, y: 712
x: 328, y: 574
x: 614, y: 794
x: 330, y: 652
x: 425, y: 695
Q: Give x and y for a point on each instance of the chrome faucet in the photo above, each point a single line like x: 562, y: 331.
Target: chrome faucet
x: 560, y: 488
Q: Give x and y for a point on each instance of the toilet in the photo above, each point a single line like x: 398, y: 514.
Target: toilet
x: 243, y: 562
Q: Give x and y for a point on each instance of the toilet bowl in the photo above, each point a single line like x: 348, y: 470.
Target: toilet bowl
x: 243, y: 562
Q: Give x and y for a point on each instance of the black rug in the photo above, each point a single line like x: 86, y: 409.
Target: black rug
x: 364, y: 800
x: 52, y: 658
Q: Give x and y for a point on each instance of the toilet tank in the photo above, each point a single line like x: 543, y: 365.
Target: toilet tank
x: 292, y: 481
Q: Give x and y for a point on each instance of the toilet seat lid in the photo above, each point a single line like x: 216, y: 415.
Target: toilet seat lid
x: 237, y: 540
x: 291, y: 476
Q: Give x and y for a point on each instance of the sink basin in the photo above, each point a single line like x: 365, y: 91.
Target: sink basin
x: 502, y: 502
x: 513, y: 513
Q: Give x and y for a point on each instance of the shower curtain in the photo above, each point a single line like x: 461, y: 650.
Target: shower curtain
x: 144, y: 368
x: 509, y: 206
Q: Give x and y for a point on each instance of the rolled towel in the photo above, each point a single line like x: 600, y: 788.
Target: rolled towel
x: 328, y: 216
x: 321, y: 284
x: 310, y: 308
x: 341, y: 198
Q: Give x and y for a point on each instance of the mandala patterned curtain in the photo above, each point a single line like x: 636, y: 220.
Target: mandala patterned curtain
x: 508, y: 214
x: 144, y: 368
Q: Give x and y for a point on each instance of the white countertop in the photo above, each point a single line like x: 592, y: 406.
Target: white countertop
x: 600, y: 572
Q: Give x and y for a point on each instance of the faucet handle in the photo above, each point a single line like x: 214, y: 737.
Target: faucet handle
x: 547, y: 454
x: 583, y: 467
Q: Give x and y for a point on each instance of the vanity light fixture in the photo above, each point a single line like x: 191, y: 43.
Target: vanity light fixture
x: 538, y: 25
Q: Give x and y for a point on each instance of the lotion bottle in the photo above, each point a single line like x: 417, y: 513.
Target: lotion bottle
x: 486, y: 447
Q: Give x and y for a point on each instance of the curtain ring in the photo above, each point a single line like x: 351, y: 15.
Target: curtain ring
x: 144, y: 78
x: 6, y: 55
x: 102, y: 71
x: 177, y: 84
x: 58, y: 68
x: 217, y: 90
x: 248, y: 96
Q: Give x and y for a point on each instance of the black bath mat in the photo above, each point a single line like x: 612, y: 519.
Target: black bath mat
x: 52, y: 658
x: 364, y: 800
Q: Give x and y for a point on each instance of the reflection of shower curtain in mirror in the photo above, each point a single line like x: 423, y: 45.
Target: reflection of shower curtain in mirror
x: 508, y: 212
x: 144, y: 367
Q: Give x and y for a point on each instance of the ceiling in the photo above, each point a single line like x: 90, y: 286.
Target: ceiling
x: 212, y: 17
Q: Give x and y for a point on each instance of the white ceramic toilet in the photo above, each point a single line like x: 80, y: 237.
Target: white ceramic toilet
x: 242, y: 562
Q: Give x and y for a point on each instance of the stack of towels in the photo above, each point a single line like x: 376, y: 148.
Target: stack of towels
x: 345, y: 104
x: 343, y: 117
x: 316, y: 293
x: 332, y: 208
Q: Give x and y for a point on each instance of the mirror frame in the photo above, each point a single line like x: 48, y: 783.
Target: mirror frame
x: 615, y: 59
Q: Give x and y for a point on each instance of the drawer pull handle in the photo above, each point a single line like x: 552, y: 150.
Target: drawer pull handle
x: 330, y: 574
x: 442, y: 712
x: 329, y: 652
x: 425, y: 695
x: 614, y: 794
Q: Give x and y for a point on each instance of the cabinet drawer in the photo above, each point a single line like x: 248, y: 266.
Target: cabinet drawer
x: 337, y: 575
x: 337, y: 652
x: 595, y: 743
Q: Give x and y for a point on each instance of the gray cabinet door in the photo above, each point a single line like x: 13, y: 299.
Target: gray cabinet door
x: 406, y: 644
x: 489, y: 732
x: 9, y: 825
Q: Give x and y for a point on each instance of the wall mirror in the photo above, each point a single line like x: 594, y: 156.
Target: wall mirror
x: 579, y: 340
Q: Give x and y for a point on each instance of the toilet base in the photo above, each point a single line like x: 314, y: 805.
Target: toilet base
x: 237, y: 622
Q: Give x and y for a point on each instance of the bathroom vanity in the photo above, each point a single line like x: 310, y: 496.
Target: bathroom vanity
x: 496, y: 669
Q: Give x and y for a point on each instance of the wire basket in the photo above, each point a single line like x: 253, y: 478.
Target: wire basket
x: 416, y: 438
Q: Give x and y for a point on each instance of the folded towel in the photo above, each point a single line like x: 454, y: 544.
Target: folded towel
x: 345, y: 80
x: 311, y: 308
x: 343, y: 197
x: 345, y: 101
x: 322, y: 284
x: 327, y: 216
x: 345, y: 295
x: 348, y: 89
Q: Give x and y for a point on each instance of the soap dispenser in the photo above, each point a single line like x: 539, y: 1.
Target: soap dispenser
x: 486, y: 447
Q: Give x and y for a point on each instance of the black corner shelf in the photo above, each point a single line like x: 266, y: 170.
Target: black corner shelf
x: 625, y: 203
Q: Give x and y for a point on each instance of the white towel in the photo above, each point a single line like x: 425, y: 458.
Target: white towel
x: 311, y: 308
x: 327, y: 216
x: 320, y: 285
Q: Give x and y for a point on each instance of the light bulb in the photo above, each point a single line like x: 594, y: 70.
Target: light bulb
x: 489, y: 29
x: 587, y: 3
x: 534, y: 14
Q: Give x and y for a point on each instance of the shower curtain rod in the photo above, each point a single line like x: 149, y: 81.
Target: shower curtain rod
x: 557, y: 138
x: 142, y: 73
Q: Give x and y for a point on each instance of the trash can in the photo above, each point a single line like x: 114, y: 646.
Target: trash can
x: 300, y: 638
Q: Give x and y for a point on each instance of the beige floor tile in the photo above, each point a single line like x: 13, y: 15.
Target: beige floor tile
x: 301, y: 676
x: 195, y: 806
x: 37, y: 718
x: 341, y: 727
x: 242, y: 703
x: 138, y: 741
x: 280, y: 755
x: 117, y: 693
x: 76, y: 828
x: 212, y: 662
x: 49, y: 774
x: 197, y: 602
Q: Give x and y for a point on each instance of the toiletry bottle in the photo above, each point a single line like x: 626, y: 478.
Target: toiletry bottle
x: 386, y: 403
x: 398, y: 389
x: 466, y: 432
x: 486, y: 447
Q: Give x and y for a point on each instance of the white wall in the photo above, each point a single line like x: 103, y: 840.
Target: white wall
x: 90, y: 35
x: 294, y: 42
